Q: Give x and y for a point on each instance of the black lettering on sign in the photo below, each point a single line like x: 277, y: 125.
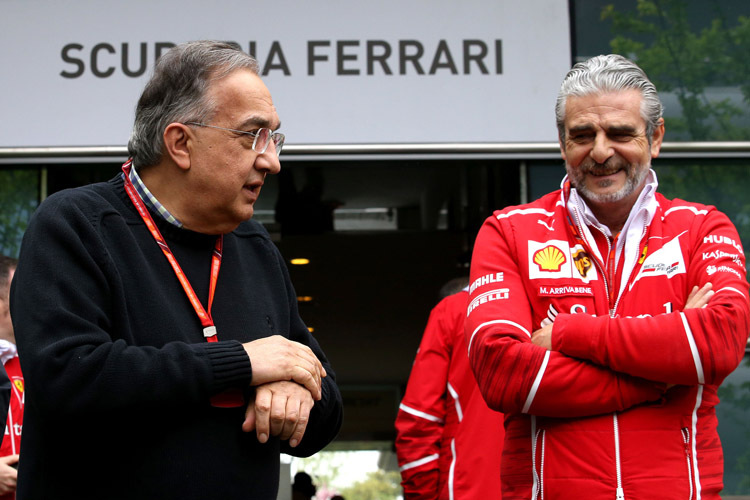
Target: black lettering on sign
x: 349, y: 58
x: 125, y: 59
x: 404, y: 56
x: 95, y: 69
x: 313, y: 56
x: 443, y: 52
x: 160, y: 48
x: 341, y: 56
x: 68, y: 58
x: 382, y: 57
x: 477, y: 55
x: 276, y: 53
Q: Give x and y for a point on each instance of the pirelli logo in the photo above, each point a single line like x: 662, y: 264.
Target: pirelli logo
x: 499, y: 294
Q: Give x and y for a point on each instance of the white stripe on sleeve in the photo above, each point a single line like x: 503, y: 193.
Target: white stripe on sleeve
x: 497, y: 321
x: 420, y: 414
x: 693, y: 349
x: 417, y: 463
x: 537, y: 382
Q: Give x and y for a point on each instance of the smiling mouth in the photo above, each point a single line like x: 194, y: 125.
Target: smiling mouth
x: 604, y: 173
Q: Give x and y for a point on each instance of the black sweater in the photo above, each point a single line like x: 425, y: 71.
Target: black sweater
x: 118, y: 374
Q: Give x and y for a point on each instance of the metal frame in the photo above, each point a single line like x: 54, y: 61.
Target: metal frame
x: 520, y: 150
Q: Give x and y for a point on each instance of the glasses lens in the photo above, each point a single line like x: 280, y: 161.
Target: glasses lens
x: 261, y: 141
x: 278, y: 142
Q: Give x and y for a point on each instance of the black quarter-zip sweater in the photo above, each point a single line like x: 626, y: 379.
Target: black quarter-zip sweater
x: 118, y: 374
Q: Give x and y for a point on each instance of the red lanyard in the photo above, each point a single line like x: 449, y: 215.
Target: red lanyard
x: 229, y: 398
x: 209, y: 330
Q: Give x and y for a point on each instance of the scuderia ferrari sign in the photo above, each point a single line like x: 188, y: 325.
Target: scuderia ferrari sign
x: 392, y: 71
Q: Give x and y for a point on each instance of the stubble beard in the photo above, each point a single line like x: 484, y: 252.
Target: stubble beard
x: 635, y: 177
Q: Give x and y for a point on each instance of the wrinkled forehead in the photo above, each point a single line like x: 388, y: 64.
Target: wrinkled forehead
x: 244, y: 99
x: 612, y: 108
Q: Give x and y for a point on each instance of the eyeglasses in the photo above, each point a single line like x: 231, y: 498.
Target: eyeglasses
x: 261, y: 137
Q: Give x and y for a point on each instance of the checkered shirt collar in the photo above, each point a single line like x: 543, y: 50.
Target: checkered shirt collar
x: 150, y: 200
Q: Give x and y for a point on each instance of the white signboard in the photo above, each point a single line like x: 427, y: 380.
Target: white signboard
x: 385, y: 71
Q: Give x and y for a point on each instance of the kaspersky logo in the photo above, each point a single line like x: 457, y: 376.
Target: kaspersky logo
x: 549, y: 258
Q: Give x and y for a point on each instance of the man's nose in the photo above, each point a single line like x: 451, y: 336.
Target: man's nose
x: 602, y: 149
x: 268, y: 162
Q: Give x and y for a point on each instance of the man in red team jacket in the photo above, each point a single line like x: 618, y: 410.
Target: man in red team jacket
x: 11, y: 443
x: 448, y: 441
x: 604, y: 316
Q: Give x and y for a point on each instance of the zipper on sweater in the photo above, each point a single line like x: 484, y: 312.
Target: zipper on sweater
x: 620, y: 492
x: 686, y: 440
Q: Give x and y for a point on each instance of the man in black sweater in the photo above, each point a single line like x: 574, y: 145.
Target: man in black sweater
x: 157, y: 328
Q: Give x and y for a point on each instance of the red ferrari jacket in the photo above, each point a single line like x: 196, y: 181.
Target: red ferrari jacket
x: 448, y: 441
x: 11, y: 444
x: 623, y: 406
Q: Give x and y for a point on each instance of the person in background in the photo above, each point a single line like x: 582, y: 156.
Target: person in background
x: 605, y: 315
x: 162, y: 347
x: 11, y: 441
x: 448, y: 442
x: 303, y: 487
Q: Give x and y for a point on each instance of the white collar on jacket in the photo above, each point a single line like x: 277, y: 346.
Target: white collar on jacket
x: 632, y: 232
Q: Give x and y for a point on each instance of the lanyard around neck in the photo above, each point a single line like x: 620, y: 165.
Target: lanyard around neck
x: 209, y: 329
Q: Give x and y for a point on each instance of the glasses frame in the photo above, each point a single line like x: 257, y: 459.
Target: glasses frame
x: 277, y: 137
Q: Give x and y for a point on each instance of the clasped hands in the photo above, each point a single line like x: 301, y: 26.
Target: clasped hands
x: 287, y: 377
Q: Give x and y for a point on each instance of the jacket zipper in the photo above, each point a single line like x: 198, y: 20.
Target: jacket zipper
x: 612, y: 304
x: 535, y: 434
x: 599, y: 264
x: 541, y: 465
x: 620, y: 492
x: 538, y: 487
x: 620, y: 495
x: 686, y: 440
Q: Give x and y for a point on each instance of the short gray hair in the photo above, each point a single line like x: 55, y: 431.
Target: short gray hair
x: 609, y: 73
x: 177, y: 92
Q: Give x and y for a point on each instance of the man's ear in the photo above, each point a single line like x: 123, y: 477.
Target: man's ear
x: 177, y: 138
x: 656, y: 138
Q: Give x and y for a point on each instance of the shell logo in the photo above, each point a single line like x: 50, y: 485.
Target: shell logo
x: 549, y: 258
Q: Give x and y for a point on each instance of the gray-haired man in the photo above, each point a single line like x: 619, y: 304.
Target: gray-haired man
x: 613, y: 313
x: 158, y: 330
